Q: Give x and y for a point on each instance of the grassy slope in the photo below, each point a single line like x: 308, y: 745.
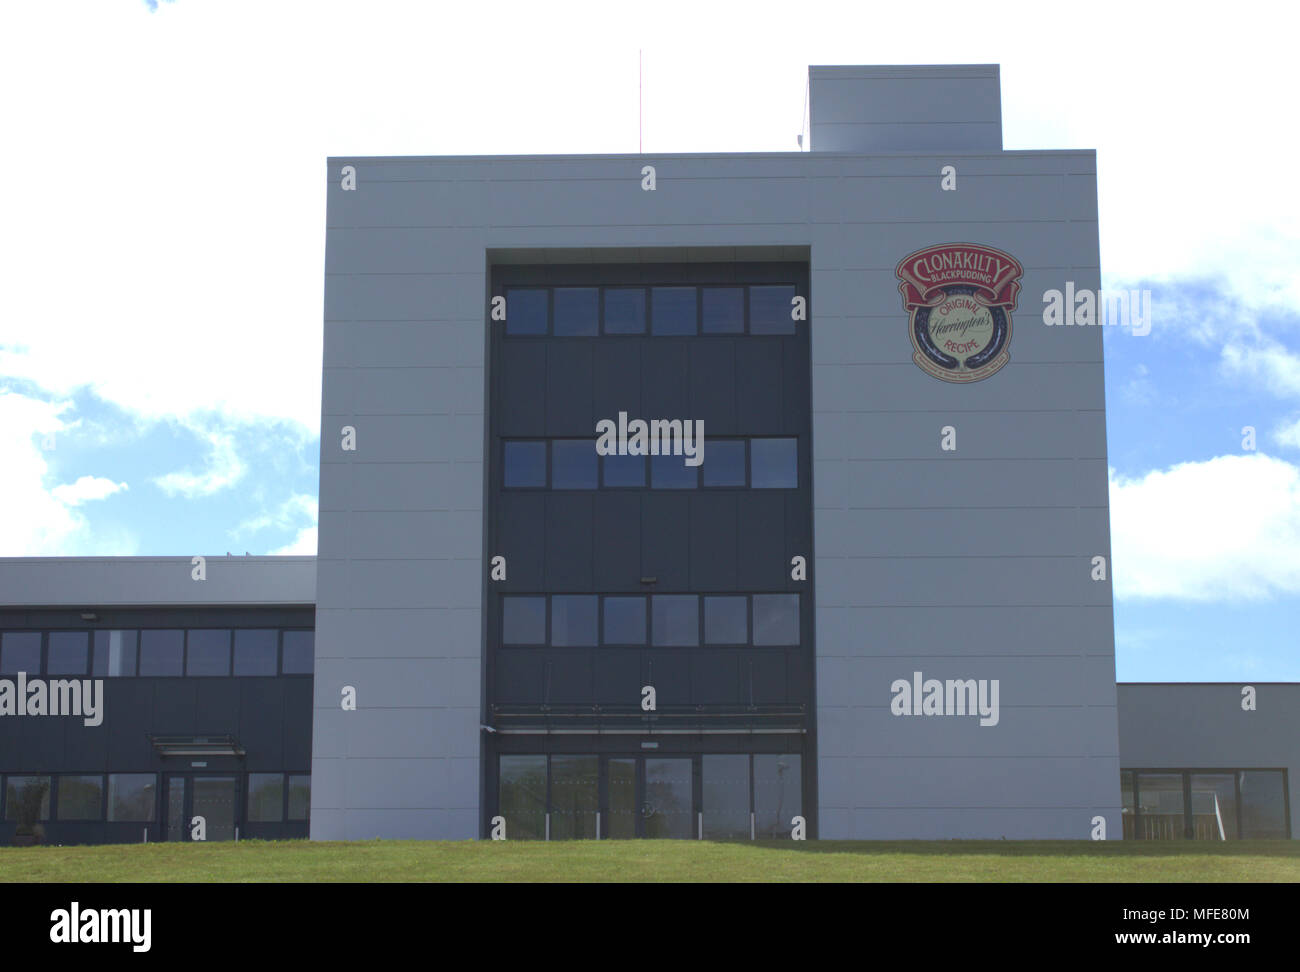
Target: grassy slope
x: 1253, y: 861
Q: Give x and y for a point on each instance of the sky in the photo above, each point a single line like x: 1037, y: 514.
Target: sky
x: 162, y: 247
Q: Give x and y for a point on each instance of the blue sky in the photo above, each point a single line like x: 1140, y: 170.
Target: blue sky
x: 161, y: 249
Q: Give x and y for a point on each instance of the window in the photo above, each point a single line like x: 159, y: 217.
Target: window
x: 573, y: 620
x: 726, y: 797
x: 522, y: 789
x: 624, y: 621
x: 162, y: 652
x: 777, y: 798
x: 723, y: 310
x: 574, y: 797
x: 1263, y: 804
x: 774, y: 463
x: 255, y: 650
x: 299, y: 653
x: 114, y: 653
x: 265, y: 798
x: 724, y: 462
x: 624, y: 310
x: 131, y: 797
x: 20, y: 651
x: 576, y: 311
x: 573, y: 464
x: 525, y: 464
x: 526, y: 311
x: 1160, y: 806
x: 27, y: 798
x: 770, y: 310
x: 726, y: 621
x: 672, y: 311
x: 69, y: 653
x: 81, y: 798
x: 299, y: 796
x: 207, y: 651
x: 671, y: 472
x: 1214, y: 806
x: 523, y: 620
x: 776, y: 619
x: 675, y: 620
x: 1128, y: 806
x: 623, y: 470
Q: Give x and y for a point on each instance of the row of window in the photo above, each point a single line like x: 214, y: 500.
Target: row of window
x: 159, y: 651
x: 1205, y: 805
x: 665, y: 311
x: 133, y: 797
x: 711, y: 797
x: 756, y: 463
x: 671, y: 620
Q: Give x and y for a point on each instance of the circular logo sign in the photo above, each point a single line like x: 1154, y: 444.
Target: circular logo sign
x: 959, y: 297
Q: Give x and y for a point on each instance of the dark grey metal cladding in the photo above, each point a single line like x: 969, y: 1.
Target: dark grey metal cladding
x: 270, y: 716
x: 696, y: 541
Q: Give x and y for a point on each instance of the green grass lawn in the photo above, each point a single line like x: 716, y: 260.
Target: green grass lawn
x: 667, y: 860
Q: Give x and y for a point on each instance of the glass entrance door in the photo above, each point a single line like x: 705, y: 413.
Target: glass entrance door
x: 650, y: 796
x: 214, y: 798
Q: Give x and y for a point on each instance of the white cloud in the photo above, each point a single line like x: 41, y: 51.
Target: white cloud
x: 224, y: 469
x: 1269, y: 364
x: 1227, y: 529
x: 41, y: 521
x: 304, y: 543
x: 297, y: 507
x: 1288, y: 434
x: 85, y: 489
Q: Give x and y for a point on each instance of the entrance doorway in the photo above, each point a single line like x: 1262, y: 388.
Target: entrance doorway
x: 189, y: 796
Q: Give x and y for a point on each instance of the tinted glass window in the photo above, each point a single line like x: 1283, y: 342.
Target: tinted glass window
x: 162, y: 652
x: 299, y: 796
x: 573, y: 464
x: 20, y: 651
x: 777, y: 794
x: 114, y: 653
x: 575, y: 310
x: 624, y: 621
x: 299, y: 652
x: 131, y: 796
x: 522, y: 796
x: 774, y: 463
x: 1160, y: 806
x: 265, y: 797
x: 1214, y: 806
x: 724, y: 463
x: 776, y: 619
x: 672, y: 310
x: 1263, y: 804
x: 1126, y: 802
x: 668, y: 799
x: 726, y: 797
x: 523, y: 620
x: 726, y: 620
x: 574, y: 797
x: 624, y: 470
x: 207, y: 652
x: 525, y: 464
x: 770, y: 310
x: 671, y: 472
x: 625, y: 311
x: 27, y: 798
x: 69, y: 653
x: 255, y: 650
x: 722, y: 310
x: 525, y: 311
x: 81, y: 797
x: 675, y: 620
x: 573, y: 620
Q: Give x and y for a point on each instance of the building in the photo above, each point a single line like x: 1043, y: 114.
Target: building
x: 741, y: 495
